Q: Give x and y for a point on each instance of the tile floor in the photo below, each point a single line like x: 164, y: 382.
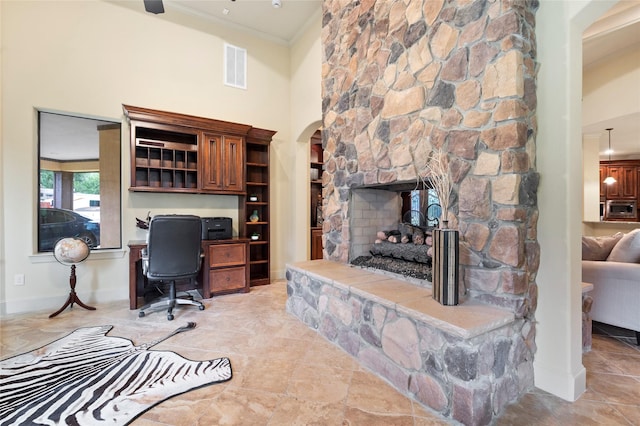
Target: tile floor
x: 285, y: 374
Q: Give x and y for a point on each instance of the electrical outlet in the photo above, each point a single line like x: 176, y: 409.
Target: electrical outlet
x: 18, y: 279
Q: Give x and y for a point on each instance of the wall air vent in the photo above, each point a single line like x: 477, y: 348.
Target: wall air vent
x: 235, y: 66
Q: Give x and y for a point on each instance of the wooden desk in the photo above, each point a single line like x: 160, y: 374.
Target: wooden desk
x: 224, y: 270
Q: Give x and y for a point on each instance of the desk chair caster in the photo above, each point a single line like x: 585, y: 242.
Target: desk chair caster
x: 172, y: 302
x: 169, y: 316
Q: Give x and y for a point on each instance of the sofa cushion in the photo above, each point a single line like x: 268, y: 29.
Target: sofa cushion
x: 627, y: 249
x: 599, y: 248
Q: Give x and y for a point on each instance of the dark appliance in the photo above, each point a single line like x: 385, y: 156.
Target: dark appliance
x: 216, y: 228
x: 621, y: 210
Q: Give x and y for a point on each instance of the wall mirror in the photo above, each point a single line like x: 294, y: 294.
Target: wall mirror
x: 609, y: 101
x: 79, y: 180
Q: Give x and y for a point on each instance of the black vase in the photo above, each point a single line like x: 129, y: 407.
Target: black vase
x: 446, y: 255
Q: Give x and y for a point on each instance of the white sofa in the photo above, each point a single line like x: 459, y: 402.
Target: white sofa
x: 612, y: 265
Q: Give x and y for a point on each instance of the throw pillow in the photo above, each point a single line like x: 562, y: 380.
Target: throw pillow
x: 599, y: 248
x: 627, y: 249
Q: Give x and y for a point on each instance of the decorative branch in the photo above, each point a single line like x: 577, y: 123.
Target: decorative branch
x: 439, y: 177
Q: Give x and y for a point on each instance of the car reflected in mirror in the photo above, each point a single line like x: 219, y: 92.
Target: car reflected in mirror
x: 55, y: 224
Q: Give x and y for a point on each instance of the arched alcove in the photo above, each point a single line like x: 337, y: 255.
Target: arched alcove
x: 300, y: 249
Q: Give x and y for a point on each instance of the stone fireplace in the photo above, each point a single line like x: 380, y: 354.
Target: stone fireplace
x: 400, y: 79
x: 379, y: 208
x: 389, y: 209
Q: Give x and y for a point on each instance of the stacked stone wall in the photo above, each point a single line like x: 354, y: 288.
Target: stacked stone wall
x: 402, y: 77
x: 469, y: 380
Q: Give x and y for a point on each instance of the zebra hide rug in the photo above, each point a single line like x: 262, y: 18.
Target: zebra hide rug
x: 88, y: 378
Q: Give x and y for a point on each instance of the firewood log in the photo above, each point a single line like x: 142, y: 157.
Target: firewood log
x: 408, y: 252
x: 383, y: 235
x: 418, y: 236
x: 406, y: 232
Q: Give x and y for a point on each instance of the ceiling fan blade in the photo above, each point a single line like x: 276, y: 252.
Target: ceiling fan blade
x: 153, y: 6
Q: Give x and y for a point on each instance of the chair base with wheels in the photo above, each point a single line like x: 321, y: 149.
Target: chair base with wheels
x: 169, y: 303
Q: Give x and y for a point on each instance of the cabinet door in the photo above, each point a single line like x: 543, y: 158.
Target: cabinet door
x: 223, y: 255
x: 615, y: 189
x: 233, y: 164
x: 629, y: 185
x: 316, y: 244
x: 227, y: 280
x: 212, y: 155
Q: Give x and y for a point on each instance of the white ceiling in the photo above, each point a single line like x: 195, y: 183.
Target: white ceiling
x: 257, y: 17
x: 617, y: 30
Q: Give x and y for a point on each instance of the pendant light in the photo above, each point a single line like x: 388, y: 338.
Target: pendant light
x: 609, y: 179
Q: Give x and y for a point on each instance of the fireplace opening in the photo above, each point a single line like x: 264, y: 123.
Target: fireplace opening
x: 391, y: 229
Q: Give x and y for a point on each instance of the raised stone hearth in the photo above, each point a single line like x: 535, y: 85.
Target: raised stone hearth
x: 464, y: 362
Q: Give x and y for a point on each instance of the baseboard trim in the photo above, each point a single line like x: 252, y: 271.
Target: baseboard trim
x: 39, y: 304
x: 560, y: 384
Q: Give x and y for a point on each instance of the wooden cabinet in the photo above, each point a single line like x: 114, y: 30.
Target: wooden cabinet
x: 164, y: 160
x: 603, y: 186
x: 629, y: 183
x: 316, y: 243
x: 257, y: 200
x: 316, y: 166
x: 625, y: 172
x: 227, y: 267
x: 173, y: 152
x: 224, y: 270
x: 224, y: 163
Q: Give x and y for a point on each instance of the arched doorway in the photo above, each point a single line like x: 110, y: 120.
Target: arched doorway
x: 302, y: 193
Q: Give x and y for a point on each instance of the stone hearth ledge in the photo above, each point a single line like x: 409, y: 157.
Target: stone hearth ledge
x: 466, y: 320
x: 465, y: 362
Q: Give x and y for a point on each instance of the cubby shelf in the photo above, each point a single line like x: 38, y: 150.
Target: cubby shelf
x: 257, y: 185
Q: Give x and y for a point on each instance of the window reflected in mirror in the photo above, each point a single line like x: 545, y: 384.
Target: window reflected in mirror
x: 421, y: 207
x: 79, y: 180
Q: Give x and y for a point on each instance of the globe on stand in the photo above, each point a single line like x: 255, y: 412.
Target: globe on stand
x: 69, y: 251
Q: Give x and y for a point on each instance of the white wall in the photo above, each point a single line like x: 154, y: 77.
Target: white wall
x: 591, y: 178
x: 90, y: 57
x: 306, y: 114
x: 559, y: 25
x: 610, y: 89
x: 2, y: 201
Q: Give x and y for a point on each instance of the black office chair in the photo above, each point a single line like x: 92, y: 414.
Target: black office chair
x: 173, y: 253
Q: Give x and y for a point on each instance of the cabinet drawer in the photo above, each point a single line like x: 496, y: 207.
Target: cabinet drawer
x: 221, y: 255
x: 227, y: 279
